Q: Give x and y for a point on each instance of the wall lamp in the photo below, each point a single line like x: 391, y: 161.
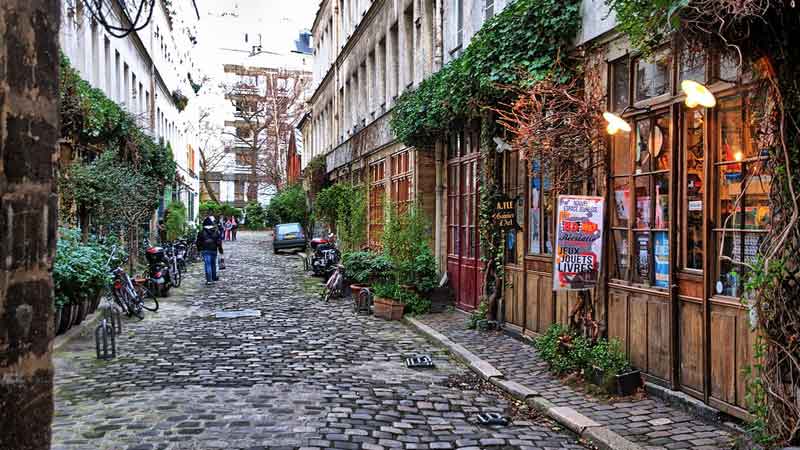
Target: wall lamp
x: 615, y: 123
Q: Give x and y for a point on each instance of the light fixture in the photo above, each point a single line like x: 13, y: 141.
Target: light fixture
x: 697, y: 94
x: 615, y: 123
x: 738, y: 156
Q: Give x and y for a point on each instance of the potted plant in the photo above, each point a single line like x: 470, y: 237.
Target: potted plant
x: 358, y: 268
x: 608, y: 367
x: 388, y: 301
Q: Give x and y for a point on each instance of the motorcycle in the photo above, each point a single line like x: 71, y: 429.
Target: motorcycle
x: 158, y: 271
x: 325, y: 256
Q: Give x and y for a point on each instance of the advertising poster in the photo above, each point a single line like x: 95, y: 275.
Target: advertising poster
x: 579, y: 242
x: 662, y: 259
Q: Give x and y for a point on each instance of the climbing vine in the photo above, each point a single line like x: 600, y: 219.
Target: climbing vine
x: 520, y: 44
x: 762, y: 32
x: 491, y: 238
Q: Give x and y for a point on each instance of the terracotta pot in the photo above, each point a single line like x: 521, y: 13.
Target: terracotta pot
x: 388, y: 309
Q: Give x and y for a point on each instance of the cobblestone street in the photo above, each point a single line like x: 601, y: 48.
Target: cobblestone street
x: 304, y: 374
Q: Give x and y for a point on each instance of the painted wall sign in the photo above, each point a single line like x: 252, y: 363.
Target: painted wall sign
x: 505, y: 214
x: 579, y: 242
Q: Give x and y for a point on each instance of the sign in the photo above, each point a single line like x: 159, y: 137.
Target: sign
x: 579, y: 242
x: 505, y: 214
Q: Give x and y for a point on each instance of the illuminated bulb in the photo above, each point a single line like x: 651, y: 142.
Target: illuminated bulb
x: 615, y: 123
x: 738, y: 156
x: 697, y: 94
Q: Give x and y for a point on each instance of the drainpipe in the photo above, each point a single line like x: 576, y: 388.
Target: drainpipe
x: 440, y: 219
x: 438, y: 32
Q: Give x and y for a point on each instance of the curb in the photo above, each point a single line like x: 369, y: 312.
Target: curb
x: 88, y: 324
x: 583, y: 426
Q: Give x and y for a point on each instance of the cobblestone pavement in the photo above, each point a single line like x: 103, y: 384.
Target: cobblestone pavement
x: 649, y: 422
x: 304, y: 374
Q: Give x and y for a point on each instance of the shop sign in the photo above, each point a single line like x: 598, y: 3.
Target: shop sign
x: 579, y: 242
x: 505, y: 214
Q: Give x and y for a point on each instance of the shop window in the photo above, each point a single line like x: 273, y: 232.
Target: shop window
x: 400, y: 167
x: 742, y: 211
x: 653, y: 76
x: 540, y: 211
x: 640, y: 219
x: 692, y: 64
x: 694, y: 150
x: 513, y: 184
x: 377, y: 191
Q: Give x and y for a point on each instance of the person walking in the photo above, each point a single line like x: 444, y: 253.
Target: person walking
x: 235, y: 227
x: 209, y: 242
x: 229, y: 229
x: 221, y: 227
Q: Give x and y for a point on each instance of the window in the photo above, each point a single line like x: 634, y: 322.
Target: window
x: 742, y: 206
x: 641, y: 213
x: 400, y: 166
x: 620, y: 84
x: 513, y: 187
x: 653, y: 76
x: 459, y: 23
x: 395, y: 55
x: 489, y: 9
x: 692, y: 64
x: 408, y: 45
x: 243, y: 158
x: 377, y: 190
x: 107, y: 65
x: 540, y: 211
x: 238, y: 191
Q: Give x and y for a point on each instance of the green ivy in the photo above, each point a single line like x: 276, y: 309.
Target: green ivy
x: 647, y: 22
x: 521, y: 44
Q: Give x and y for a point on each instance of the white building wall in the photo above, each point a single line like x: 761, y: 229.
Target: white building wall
x: 158, y: 58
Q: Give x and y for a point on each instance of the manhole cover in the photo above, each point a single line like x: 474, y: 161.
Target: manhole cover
x: 492, y: 418
x: 236, y: 313
x: 419, y: 361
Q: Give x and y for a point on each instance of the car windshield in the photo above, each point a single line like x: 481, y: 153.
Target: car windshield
x: 288, y: 228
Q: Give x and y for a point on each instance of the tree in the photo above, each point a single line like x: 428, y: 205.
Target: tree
x: 212, y: 151
x: 266, y: 103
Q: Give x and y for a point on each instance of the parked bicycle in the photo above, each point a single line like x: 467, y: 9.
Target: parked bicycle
x: 334, y: 288
x: 132, y: 298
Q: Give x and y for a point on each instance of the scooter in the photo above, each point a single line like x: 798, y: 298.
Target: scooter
x: 325, y: 256
x: 158, y: 271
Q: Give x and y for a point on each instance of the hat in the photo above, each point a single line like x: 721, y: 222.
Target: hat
x: 208, y: 222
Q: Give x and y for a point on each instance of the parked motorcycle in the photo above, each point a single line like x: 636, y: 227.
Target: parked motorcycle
x: 324, y: 255
x: 158, y: 271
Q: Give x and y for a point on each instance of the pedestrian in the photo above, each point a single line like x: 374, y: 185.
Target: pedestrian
x: 229, y: 229
x: 209, y: 243
x: 221, y: 227
x: 235, y: 227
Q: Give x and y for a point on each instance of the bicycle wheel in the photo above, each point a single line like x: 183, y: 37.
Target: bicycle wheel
x: 115, y: 298
x: 176, y: 278
x: 148, y: 299
x: 134, y: 304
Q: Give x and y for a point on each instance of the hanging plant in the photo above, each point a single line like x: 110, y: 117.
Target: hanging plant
x: 181, y: 101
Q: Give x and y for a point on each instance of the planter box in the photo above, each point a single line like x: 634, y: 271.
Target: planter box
x: 388, y: 309
x: 356, y: 289
x: 622, y: 385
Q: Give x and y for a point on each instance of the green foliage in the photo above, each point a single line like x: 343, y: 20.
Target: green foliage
x: 345, y: 206
x: 414, y: 303
x: 647, y: 22
x: 389, y: 289
x: 80, y: 270
x: 609, y: 357
x: 210, y: 208
x: 479, y: 314
x: 366, y: 267
x: 288, y: 206
x: 521, y: 44
x: 256, y: 216
x: 564, y: 351
x: 756, y: 396
x: 175, y: 221
x: 422, y: 269
x: 401, y: 240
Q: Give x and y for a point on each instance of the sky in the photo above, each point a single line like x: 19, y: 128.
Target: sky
x: 224, y: 23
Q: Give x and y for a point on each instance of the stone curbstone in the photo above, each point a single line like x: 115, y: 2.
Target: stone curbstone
x: 516, y: 390
x: 86, y: 326
x: 541, y: 404
x: 571, y: 419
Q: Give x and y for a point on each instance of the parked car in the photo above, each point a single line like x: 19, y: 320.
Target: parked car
x: 289, y: 236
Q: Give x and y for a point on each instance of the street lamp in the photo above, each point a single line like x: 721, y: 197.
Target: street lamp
x: 615, y: 123
x: 697, y: 95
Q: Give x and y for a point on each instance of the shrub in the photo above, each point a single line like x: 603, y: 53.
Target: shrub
x: 288, y: 206
x: 366, y: 267
x: 175, y: 221
x: 388, y: 290
x: 414, y: 303
x: 424, y: 275
x: 256, y: 216
x: 210, y: 208
x: 80, y: 270
x: 609, y: 357
x: 479, y: 314
x: 562, y: 349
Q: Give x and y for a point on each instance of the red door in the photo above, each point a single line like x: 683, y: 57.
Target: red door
x: 463, y: 258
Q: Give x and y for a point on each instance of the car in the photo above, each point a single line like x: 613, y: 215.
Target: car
x: 289, y: 236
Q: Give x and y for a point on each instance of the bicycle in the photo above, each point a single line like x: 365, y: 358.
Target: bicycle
x: 128, y: 296
x: 334, y: 287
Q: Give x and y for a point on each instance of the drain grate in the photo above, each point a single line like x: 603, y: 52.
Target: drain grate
x: 237, y: 313
x: 419, y: 362
x: 492, y: 418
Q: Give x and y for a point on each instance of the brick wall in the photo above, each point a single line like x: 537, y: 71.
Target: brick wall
x: 29, y: 131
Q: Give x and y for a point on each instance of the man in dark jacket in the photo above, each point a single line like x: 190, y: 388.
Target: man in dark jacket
x: 209, y: 242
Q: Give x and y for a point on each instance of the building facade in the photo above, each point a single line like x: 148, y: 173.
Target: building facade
x: 146, y: 73
x: 366, y: 55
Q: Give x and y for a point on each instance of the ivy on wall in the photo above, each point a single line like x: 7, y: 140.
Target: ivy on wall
x: 521, y: 44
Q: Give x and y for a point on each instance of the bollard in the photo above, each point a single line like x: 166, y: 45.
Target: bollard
x: 112, y: 313
x: 105, y: 342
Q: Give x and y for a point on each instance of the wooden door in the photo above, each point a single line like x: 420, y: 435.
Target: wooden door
x: 463, y: 258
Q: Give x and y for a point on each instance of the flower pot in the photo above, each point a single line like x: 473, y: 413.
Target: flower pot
x: 357, y: 288
x: 388, y: 309
x: 57, y: 317
x: 628, y: 383
x: 65, y: 321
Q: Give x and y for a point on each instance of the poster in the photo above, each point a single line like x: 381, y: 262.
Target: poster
x: 579, y: 242
x: 661, y: 247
